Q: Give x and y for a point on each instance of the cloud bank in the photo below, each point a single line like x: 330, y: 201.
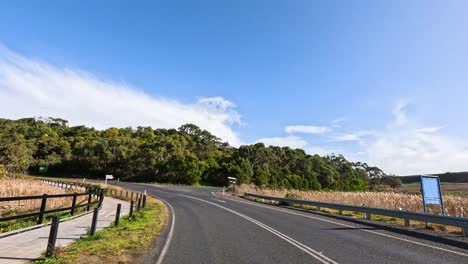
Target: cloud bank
x: 404, y: 148
x: 288, y: 141
x: 31, y: 87
x: 306, y: 129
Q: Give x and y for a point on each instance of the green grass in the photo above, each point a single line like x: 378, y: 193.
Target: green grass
x: 126, y: 243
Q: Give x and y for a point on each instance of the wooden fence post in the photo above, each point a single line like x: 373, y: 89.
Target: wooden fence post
x: 89, y: 202
x: 72, y: 212
x: 43, y: 207
x: 52, y: 236
x: 101, y: 198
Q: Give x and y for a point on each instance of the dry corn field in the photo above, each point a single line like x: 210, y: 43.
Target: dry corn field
x: 24, y: 187
x: 454, y: 205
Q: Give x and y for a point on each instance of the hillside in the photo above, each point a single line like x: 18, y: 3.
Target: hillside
x: 187, y: 155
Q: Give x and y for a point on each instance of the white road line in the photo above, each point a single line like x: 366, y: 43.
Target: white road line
x: 103, y: 212
x: 110, y: 214
x: 169, y: 236
x: 350, y: 226
x: 317, y: 255
x: 217, y: 200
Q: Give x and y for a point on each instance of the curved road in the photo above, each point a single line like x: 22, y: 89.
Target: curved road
x: 209, y: 228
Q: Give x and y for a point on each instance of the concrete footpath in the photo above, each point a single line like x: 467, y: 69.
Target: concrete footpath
x: 28, y: 246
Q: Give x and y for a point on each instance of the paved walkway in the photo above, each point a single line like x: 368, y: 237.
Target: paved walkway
x: 27, y: 246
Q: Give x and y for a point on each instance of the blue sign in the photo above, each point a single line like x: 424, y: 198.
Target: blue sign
x: 431, y: 192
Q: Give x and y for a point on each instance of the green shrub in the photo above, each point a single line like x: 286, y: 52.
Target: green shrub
x: 3, y: 172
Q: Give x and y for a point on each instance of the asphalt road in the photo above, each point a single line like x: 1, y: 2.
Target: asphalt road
x: 210, y: 228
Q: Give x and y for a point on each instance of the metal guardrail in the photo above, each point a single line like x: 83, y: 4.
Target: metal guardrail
x: 368, y: 211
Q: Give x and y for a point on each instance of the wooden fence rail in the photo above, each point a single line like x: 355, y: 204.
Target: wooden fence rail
x: 91, y: 192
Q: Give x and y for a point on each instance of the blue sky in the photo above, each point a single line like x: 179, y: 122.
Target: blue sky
x: 378, y: 81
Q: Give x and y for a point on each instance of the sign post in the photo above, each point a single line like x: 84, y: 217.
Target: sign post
x: 431, y: 192
x: 108, y: 177
x: 232, y: 181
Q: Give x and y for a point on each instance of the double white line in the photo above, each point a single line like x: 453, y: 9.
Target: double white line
x: 317, y: 255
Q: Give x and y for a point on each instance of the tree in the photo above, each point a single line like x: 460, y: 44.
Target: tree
x: 261, y: 176
x: 15, y: 153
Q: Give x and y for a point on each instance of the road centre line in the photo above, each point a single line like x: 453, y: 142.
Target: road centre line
x: 317, y: 255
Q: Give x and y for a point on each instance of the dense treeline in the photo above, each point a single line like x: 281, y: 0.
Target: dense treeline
x: 188, y: 155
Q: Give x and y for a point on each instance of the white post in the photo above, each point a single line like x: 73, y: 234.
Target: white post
x: 145, y: 193
x: 223, y: 190
x: 105, y: 184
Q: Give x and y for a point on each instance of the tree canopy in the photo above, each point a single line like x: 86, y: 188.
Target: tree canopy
x: 187, y: 155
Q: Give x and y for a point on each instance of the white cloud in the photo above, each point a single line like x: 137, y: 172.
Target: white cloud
x: 321, y: 151
x: 33, y: 88
x: 399, y: 113
x: 357, y: 136
x: 410, y: 152
x: 295, y: 142
x: 306, y: 129
x: 428, y: 129
x: 338, y: 120
x: 405, y: 150
x: 288, y: 141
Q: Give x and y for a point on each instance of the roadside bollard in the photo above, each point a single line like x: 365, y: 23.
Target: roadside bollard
x: 139, y: 204
x: 117, y: 214
x: 131, y: 208
x: 52, y: 237
x: 407, y: 222
x: 144, y: 201
x: 367, y: 216
x: 92, y: 231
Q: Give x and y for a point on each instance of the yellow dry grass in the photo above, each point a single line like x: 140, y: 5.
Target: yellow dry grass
x: 454, y: 205
x: 116, y: 190
x: 24, y: 187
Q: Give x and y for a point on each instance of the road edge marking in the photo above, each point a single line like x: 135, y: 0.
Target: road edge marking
x: 170, y: 234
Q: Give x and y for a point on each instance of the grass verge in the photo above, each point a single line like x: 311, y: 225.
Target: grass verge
x: 126, y: 243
